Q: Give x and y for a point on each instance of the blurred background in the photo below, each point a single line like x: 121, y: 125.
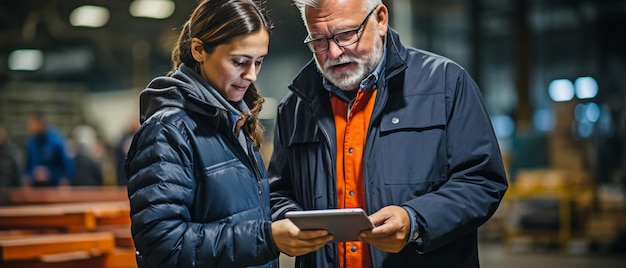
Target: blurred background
x: 551, y: 73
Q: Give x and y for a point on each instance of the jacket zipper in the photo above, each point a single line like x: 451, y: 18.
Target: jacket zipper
x: 250, y: 157
x: 256, y: 169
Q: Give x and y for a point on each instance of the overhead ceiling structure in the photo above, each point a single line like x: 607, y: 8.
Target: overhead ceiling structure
x: 131, y: 45
x: 101, y: 43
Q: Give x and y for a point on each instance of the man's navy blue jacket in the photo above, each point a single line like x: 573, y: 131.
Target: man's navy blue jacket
x: 430, y: 147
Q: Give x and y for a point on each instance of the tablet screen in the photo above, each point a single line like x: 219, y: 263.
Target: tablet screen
x: 344, y: 224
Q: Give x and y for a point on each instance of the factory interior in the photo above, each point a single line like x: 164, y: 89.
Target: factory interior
x: 551, y: 73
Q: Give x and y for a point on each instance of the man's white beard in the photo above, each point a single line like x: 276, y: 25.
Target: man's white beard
x: 351, y: 79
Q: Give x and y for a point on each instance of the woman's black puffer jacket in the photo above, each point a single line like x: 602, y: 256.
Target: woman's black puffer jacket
x: 197, y: 198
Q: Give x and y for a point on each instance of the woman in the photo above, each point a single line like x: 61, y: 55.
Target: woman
x: 197, y: 185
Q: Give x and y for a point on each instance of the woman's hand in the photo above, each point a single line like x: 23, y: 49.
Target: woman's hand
x: 292, y: 241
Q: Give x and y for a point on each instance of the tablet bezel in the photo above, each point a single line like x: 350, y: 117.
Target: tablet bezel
x: 344, y: 224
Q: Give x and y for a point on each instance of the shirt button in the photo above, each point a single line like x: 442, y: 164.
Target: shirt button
x: 351, y: 150
x: 353, y: 249
x: 351, y: 193
x: 395, y: 120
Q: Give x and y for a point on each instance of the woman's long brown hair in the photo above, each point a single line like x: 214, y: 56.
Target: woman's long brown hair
x: 216, y: 22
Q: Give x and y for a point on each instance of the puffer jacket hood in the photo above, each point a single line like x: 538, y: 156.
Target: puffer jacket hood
x: 183, y: 89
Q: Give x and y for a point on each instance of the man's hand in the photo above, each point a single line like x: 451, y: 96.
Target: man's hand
x: 41, y: 174
x: 292, y: 241
x: 392, y: 228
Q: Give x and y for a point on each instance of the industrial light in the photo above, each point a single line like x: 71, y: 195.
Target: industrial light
x: 25, y: 60
x: 586, y: 87
x: 543, y: 120
x: 154, y: 9
x: 588, y: 112
x: 561, y: 90
x: 89, y: 16
x: 503, y: 125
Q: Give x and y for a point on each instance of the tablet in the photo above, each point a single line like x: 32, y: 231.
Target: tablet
x: 344, y: 224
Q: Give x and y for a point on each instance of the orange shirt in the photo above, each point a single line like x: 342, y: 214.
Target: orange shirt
x: 351, y: 133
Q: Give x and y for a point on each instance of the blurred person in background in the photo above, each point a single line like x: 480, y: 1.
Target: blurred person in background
x: 400, y: 132
x: 198, y: 190
x: 88, y: 168
x: 48, y: 162
x: 121, y: 149
x: 10, y: 174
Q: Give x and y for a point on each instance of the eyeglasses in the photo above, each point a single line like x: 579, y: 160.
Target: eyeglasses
x: 342, y: 39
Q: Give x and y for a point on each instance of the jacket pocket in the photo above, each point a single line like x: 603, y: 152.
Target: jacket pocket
x: 412, y: 142
x: 221, y: 166
x: 226, y: 188
x: 416, y: 112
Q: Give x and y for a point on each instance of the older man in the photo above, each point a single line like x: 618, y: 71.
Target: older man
x: 400, y: 132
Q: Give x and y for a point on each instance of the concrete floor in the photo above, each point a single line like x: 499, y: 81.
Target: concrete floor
x: 494, y: 255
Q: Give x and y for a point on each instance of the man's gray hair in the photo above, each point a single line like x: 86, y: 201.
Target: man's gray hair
x: 302, y: 4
